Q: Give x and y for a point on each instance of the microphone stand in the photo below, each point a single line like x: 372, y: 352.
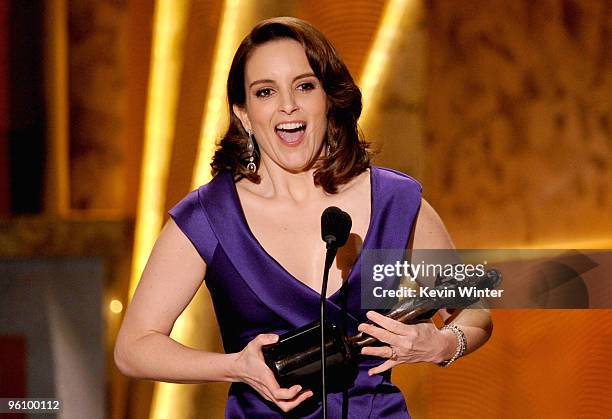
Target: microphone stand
x: 329, y: 258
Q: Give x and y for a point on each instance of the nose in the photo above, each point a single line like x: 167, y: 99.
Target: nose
x: 288, y: 104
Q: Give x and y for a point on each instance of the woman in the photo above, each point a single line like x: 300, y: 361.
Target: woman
x: 253, y: 233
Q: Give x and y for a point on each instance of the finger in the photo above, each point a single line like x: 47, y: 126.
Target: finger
x: 261, y: 387
x: 268, y: 381
x: 380, y: 351
x: 266, y: 395
x: 287, y: 406
x: 382, y: 335
x: 388, y: 323
x: 265, y: 339
x: 388, y: 364
x: 280, y: 393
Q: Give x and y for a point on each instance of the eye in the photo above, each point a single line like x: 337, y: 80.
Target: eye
x: 265, y: 92
x: 306, y: 86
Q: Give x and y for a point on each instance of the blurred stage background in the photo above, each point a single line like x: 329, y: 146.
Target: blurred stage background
x: 109, y: 110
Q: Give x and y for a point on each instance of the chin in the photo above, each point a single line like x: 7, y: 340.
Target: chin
x: 295, y: 168
x: 296, y: 165
x: 296, y: 162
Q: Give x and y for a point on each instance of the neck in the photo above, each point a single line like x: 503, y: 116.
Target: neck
x: 281, y: 183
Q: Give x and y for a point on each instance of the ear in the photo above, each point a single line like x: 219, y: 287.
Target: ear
x: 241, y: 113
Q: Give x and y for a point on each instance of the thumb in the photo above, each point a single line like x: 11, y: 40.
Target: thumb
x: 267, y: 338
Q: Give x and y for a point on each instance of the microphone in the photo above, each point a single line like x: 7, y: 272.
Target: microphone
x: 335, y: 229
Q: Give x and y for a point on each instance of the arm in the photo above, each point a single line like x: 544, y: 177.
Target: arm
x: 430, y: 233
x: 169, y: 281
x: 424, y: 342
x: 144, y: 349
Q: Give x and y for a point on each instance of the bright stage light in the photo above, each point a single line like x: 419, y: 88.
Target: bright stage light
x: 115, y: 306
x: 166, y: 63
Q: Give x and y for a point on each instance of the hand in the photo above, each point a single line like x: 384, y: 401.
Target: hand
x: 407, y: 343
x: 252, y: 370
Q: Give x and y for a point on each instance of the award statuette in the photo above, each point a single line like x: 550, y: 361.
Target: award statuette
x: 296, y: 357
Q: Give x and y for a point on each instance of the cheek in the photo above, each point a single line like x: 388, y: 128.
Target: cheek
x: 259, y: 115
x: 318, y: 106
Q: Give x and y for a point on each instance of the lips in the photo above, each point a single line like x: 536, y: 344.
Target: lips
x: 291, y: 132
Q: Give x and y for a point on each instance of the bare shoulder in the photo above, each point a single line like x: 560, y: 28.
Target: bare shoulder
x: 170, y: 279
x: 358, y: 184
x: 173, y: 238
x: 174, y: 249
x: 430, y: 231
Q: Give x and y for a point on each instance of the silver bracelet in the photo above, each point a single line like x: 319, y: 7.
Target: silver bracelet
x: 461, y: 344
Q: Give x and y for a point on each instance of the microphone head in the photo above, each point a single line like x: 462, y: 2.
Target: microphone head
x: 335, y: 227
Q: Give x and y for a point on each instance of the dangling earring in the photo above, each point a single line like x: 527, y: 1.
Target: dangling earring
x: 329, y: 147
x: 251, y: 150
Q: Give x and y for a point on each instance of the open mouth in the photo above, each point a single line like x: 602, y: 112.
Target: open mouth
x: 290, y: 132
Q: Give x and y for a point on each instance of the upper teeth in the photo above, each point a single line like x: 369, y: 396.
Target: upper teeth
x: 290, y: 125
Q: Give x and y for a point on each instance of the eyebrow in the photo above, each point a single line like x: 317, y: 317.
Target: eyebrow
x: 262, y: 81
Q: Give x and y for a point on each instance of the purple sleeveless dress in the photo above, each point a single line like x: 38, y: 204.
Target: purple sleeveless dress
x: 252, y: 293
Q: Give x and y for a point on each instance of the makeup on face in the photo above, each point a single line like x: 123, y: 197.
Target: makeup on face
x: 286, y: 106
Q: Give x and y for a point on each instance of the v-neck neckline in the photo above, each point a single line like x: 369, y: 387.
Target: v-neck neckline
x: 369, y: 233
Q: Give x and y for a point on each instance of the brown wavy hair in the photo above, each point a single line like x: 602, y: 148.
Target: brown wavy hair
x: 348, y: 155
